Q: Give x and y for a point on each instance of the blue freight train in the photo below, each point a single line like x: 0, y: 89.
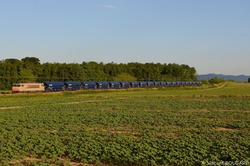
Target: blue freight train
x: 72, y: 86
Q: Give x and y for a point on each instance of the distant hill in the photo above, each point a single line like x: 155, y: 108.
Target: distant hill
x: 238, y: 78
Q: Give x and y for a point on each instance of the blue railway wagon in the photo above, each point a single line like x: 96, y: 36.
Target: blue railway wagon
x: 163, y: 84
x: 102, y: 85
x: 157, y: 84
x: 114, y: 85
x: 134, y: 84
x: 143, y: 84
x: 192, y: 83
x: 196, y: 83
x: 54, y: 86
x: 125, y: 84
x: 169, y: 84
x: 89, y: 85
x: 178, y: 83
x: 173, y: 83
x: 72, y: 85
x: 150, y: 84
x: 181, y: 83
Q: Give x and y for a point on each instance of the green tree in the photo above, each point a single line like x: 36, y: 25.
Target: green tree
x: 204, y: 81
x: 9, y: 72
x: 216, y: 80
x: 33, y: 64
x: 29, y: 69
x: 31, y: 60
x: 136, y: 69
x: 94, y: 71
x: 50, y: 72
x: 26, y: 75
x: 71, y: 72
x: 124, y: 77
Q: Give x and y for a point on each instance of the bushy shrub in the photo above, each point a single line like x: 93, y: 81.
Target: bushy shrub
x: 216, y: 80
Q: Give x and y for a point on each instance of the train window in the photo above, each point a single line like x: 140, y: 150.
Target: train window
x: 18, y: 85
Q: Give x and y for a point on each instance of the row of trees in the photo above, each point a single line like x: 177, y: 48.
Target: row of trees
x: 30, y: 69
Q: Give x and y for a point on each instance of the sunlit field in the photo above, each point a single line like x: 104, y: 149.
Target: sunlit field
x: 163, y: 126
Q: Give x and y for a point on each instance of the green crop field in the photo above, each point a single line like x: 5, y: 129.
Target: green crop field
x: 207, y: 125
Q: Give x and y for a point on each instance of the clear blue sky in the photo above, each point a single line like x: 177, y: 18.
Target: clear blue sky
x: 211, y: 35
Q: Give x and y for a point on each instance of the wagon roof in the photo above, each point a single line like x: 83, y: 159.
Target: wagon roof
x: 20, y: 83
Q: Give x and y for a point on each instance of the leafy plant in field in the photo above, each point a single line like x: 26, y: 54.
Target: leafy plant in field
x: 120, y: 129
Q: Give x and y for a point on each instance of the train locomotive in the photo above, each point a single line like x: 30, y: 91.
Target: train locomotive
x: 52, y: 86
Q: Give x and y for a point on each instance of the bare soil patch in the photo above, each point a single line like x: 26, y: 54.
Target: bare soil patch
x: 86, y: 101
x: 2, y: 108
x: 226, y: 129
x: 30, y: 159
